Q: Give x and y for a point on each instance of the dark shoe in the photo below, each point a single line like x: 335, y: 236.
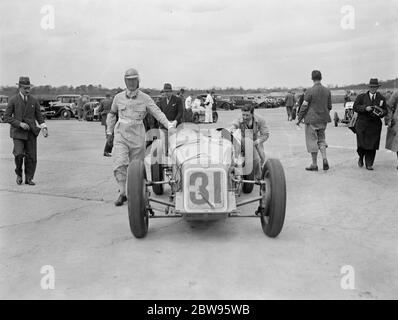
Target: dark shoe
x: 19, y: 180
x: 360, y: 162
x: 120, y: 200
x: 325, y: 165
x: 107, y: 154
x: 30, y: 182
x: 312, y: 168
x: 369, y: 167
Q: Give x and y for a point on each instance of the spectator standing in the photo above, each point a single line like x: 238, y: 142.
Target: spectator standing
x: 392, y: 122
x: 21, y: 113
x: 371, y: 107
x: 315, y: 111
x: 289, y: 103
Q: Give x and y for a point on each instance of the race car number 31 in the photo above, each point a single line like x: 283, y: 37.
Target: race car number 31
x: 206, y: 189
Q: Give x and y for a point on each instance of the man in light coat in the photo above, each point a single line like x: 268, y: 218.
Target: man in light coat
x: 392, y: 123
x: 209, y: 108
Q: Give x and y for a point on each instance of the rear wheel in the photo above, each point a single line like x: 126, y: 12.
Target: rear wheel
x: 157, y: 175
x: 336, y: 119
x: 274, y: 201
x: 248, y: 187
x: 137, y: 198
x: 65, y: 114
x: 215, y: 117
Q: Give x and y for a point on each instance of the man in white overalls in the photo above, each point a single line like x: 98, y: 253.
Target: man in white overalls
x: 209, y: 108
x: 131, y: 106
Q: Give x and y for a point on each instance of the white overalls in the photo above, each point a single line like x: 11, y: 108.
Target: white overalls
x: 129, y: 141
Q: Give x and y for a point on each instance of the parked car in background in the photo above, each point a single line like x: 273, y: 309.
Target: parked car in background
x: 241, y: 100
x: 3, y: 106
x: 224, y: 102
x: 64, y: 107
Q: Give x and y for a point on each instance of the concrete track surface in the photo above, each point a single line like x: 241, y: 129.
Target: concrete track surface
x: 344, y: 217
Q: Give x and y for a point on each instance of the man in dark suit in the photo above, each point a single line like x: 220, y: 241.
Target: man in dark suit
x: 104, y: 109
x: 21, y: 113
x: 171, y: 105
x: 371, y: 107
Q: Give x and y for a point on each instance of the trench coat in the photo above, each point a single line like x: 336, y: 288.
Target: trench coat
x: 368, y: 125
x: 392, y: 119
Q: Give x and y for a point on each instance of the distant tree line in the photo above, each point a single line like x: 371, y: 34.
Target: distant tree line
x: 99, y: 90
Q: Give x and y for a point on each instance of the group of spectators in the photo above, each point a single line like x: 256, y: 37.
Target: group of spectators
x: 370, y: 107
x: 207, y: 106
x: 126, y: 122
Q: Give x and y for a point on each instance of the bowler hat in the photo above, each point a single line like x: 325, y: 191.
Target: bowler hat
x: 167, y: 87
x: 24, y: 82
x: 374, y: 82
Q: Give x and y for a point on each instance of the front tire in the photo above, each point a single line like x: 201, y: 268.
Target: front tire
x: 137, y: 199
x: 273, y: 215
x: 215, y: 117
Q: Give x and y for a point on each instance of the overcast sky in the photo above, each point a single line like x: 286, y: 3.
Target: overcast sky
x: 198, y: 44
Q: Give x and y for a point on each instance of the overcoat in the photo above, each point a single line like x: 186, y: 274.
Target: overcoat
x: 368, y: 125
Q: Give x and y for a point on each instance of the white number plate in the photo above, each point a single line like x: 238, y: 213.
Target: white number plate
x: 205, y: 189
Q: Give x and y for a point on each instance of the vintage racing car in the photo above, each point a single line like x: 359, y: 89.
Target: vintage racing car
x: 348, y: 114
x: 206, y: 175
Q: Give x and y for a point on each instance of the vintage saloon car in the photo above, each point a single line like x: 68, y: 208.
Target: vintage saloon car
x: 64, y: 107
x: 206, y: 173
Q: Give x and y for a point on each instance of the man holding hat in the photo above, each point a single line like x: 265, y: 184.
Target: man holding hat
x: 21, y: 113
x: 131, y: 106
x: 371, y: 107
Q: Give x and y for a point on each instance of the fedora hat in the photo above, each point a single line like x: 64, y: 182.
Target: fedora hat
x: 374, y: 82
x: 167, y: 87
x: 24, y: 82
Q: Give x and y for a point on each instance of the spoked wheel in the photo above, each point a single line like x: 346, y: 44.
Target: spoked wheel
x: 137, y: 197
x: 157, y: 175
x: 273, y: 204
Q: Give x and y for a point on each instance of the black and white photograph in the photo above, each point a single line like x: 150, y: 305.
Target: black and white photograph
x: 225, y: 151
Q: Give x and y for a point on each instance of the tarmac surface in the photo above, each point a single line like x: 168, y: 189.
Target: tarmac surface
x: 341, y: 223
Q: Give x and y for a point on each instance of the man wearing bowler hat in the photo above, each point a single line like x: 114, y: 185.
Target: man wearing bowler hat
x: 21, y: 113
x: 371, y: 107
